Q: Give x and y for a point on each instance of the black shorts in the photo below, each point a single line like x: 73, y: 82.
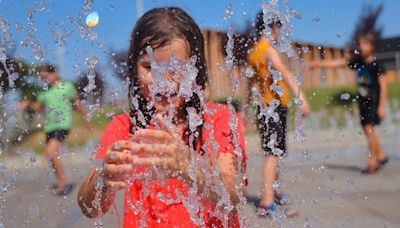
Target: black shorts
x: 369, y: 110
x: 273, y: 134
x: 59, y: 134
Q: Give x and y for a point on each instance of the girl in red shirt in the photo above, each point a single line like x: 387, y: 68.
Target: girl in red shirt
x: 180, y: 161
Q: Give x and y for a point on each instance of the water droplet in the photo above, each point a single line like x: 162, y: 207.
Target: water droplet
x: 92, y: 19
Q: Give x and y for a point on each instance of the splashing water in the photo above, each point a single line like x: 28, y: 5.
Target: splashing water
x: 171, y: 79
x: 233, y: 123
x: 5, y: 37
x: 86, y: 32
x: 283, y: 45
x: 30, y: 28
x: 91, y: 86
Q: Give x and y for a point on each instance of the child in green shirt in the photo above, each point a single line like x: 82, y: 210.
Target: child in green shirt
x: 58, y: 102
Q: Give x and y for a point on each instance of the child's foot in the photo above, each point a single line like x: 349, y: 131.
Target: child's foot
x: 65, y: 190
x: 271, y: 209
x: 267, y: 211
x: 370, y: 169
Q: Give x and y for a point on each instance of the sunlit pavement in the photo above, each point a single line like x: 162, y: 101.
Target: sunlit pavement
x: 321, y: 176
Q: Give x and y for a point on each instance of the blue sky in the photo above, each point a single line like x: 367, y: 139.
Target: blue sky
x: 326, y: 22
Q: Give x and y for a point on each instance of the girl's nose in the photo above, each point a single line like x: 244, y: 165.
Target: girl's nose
x: 171, y: 75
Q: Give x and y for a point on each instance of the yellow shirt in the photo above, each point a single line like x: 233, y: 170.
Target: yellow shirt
x: 263, y: 78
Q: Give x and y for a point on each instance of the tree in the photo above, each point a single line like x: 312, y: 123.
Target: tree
x: 93, y: 95
x: 19, y: 77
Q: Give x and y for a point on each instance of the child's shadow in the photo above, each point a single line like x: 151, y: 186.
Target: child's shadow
x: 344, y: 167
x: 252, y: 200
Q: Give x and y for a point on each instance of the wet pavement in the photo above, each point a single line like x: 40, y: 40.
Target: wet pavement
x: 321, y: 177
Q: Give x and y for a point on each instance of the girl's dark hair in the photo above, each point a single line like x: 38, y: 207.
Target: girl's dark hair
x: 366, y: 27
x: 272, y: 18
x: 260, y: 25
x: 157, y: 28
x: 47, y: 68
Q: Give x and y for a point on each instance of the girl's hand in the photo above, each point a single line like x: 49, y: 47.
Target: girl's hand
x: 381, y: 112
x: 117, y: 164
x: 23, y: 105
x: 161, y: 148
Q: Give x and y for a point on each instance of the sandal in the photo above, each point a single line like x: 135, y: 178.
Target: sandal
x: 271, y: 209
x: 266, y: 211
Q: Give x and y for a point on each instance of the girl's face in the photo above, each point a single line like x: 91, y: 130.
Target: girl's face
x: 366, y: 47
x: 177, y: 49
x: 275, y: 31
x: 48, y: 77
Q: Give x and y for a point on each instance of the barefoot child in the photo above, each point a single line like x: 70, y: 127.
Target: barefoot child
x: 371, y: 87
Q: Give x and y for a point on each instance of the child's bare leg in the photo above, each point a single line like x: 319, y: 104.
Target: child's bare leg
x: 269, y: 175
x: 54, y: 158
x: 379, y: 152
x: 373, y: 145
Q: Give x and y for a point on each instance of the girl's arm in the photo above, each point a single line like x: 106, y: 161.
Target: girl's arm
x: 35, y: 106
x: 336, y: 63
x: 288, y: 77
x: 382, y: 96
x: 116, y: 164
x: 227, y: 164
x: 87, y: 195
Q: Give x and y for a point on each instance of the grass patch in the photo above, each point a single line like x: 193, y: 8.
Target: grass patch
x: 325, y: 98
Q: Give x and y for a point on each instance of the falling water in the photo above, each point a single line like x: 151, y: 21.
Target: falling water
x: 233, y: 124
x: 284, y: 45
x: 86, y: 32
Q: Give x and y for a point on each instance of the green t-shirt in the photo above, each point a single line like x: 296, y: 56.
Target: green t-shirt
x: 57, y: 101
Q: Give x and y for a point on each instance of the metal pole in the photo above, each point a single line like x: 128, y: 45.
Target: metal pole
x: 397, y: 59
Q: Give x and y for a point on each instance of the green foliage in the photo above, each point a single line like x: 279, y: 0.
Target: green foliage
x: 343, y: 96
x: 325, y: 98
x: 235, y: 102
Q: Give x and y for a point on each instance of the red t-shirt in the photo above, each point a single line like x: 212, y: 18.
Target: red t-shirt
x: 174, y: 214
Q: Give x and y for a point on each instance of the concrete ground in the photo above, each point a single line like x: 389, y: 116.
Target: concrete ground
x: 321, y: 177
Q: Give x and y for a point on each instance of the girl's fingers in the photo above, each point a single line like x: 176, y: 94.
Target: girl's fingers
x: 113, y: 171
x: 153, y: 161
x: 161, y: 123
x: 149, y: 150
x: 150, y: 135
x: 117, y: 157
x: 121, y: 145
x: 118, y: 185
